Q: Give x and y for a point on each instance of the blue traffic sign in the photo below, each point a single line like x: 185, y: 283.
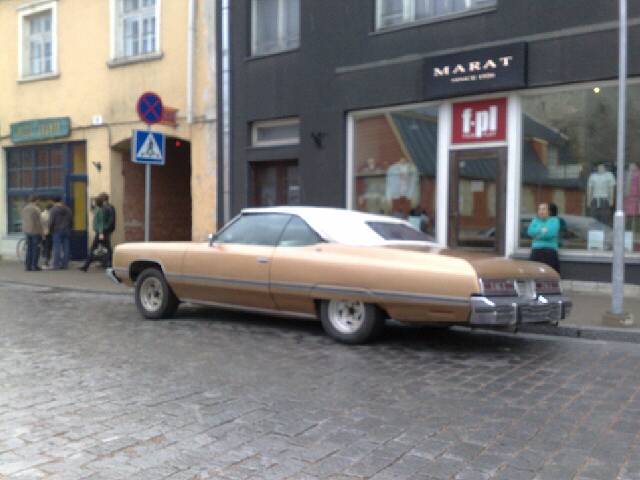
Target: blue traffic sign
x: 149, y: 108
x: 148, y: 147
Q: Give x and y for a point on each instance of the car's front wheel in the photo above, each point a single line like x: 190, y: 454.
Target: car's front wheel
x: 154, y: 297
x: 351, y: 321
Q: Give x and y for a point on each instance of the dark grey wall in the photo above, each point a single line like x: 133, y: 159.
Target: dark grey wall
x: 343, y: 64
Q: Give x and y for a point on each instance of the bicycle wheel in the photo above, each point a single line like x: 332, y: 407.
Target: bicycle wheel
x: 21, y: 249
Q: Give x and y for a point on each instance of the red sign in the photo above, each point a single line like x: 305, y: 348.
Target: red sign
x: 482, y: 121
x: 149, y: 108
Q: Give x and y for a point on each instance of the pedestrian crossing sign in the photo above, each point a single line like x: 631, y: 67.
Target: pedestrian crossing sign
x: 148, y: 147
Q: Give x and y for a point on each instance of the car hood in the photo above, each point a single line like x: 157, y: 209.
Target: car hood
x: 490, y: 266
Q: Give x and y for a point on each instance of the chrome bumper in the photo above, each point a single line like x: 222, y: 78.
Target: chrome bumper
x: 112, y: 275
x: 514, y: 311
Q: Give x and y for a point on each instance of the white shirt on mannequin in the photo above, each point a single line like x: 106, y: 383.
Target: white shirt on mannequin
x: 601, y: 185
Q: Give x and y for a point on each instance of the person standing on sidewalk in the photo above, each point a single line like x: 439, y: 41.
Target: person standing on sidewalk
x: 60, y: 223
x: 46, y: 234
x: 32, y: 228
x: 109, y: 226
x: 545, y: 231
x: 98, y: 237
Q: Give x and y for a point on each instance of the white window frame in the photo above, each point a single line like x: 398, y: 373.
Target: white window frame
x: 409, y: 14
x: 116, y: 34
x: 281, y: 30
x: 274, y: 123
x: 24, y: 13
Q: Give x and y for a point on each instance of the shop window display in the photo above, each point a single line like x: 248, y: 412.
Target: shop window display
x: 36, y: 171
x: 395, y: 165
x: 569, y: 159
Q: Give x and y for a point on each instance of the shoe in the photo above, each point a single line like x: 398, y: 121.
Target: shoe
x: 84, y: 269
x: 37, y: 269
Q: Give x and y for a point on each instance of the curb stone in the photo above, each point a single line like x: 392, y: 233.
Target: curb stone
x: 628, y: 335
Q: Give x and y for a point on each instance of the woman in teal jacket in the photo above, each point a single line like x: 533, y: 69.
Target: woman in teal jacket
x: 545, y: 231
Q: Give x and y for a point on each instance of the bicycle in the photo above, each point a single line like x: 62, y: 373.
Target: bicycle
x: 21, y: 249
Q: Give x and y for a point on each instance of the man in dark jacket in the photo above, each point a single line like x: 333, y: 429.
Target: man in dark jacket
x: 60, y: 224
x: 32, y: 228
x: 109, y: 226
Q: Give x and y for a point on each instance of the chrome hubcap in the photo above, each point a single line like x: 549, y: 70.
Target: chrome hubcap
x: 151, y: 294
x: 346, y: 316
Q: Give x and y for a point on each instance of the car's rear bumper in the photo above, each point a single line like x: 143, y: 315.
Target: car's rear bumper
x: 514, y: 311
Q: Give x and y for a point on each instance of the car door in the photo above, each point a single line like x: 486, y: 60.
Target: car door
x: 296, y: 266
x: 234, y: 269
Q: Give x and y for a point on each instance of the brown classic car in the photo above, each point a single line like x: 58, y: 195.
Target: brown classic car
x: 352, y: 270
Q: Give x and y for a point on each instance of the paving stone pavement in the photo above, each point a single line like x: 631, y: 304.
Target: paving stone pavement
x: 90, y: 390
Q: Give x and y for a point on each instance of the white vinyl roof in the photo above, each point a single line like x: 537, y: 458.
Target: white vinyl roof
x: 338, y: 224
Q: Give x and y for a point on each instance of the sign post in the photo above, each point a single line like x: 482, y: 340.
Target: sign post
x: 148, y: 147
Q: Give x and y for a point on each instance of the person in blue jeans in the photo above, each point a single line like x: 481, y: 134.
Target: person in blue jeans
x: 32, y: 229
x: 60, y: 224
x: 545, y: 232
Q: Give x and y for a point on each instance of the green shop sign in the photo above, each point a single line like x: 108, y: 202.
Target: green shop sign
x: 36, y: 130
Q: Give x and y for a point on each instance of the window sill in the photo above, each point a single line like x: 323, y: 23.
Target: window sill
x: 122, y: 61
x: 37, y: 78
x: 430, y: 21
x: 271, y: 54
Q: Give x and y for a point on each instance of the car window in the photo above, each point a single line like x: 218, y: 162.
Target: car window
x: 398, y: 231
x: 297, y: 233
x: 254, y: 229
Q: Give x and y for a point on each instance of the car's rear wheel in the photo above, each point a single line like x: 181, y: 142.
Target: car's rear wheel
x: 351, y: 321
x: 154, y: 297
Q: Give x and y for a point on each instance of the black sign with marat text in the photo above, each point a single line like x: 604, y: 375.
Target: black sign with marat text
x: 476, y: 71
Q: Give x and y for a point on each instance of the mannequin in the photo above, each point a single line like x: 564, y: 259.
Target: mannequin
x: 600, y: 190
x: 402, y: 186
x: 632, y: 195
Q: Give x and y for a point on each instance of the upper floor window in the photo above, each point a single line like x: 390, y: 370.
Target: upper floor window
x: 136, y: 28
x: 391, y: 13
x: 38, y: 40
x: 275, y: 132
x: 276, y: 26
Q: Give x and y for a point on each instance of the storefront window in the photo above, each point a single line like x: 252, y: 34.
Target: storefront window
x: 33, y: 171
x: 569, y: 159
x: 395, y: 163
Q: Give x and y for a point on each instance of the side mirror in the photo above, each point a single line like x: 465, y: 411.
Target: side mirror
x: 211, y: 237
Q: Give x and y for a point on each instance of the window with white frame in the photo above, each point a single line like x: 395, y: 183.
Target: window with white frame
x: 391, y: 13
x: 38, y: 40
x: 276, y: 132
x: 275, y: 26
x: 136, y: 28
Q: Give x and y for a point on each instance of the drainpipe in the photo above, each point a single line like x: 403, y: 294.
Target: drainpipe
x: 191, y: 33
x: 226, y: 108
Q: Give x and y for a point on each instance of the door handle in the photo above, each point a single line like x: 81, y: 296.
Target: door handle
x: 262, y: 260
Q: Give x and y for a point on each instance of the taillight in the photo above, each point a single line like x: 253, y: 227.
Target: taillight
x: 548, y: 287
x: 506, y: 288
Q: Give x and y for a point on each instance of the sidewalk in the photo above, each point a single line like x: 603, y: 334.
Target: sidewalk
x: 585, y: 320
x: 94, y: 280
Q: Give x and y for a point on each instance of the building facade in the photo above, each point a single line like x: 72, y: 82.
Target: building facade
x: 459, y: 115
x: 71, y: 73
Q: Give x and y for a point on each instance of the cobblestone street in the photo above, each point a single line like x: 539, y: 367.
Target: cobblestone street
x: 88, y: 389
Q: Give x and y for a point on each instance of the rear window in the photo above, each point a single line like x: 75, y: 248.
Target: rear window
x: 399, y: 232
